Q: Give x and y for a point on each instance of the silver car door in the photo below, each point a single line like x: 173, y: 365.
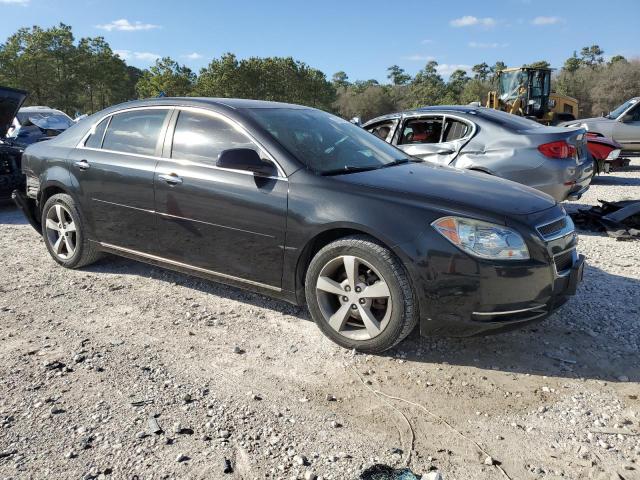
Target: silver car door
x: 453, y: 135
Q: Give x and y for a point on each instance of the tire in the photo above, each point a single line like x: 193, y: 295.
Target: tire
x: 64, y: 233
x: 333, y: 298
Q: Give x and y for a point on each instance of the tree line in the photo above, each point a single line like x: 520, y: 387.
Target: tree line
x: 85, y: 76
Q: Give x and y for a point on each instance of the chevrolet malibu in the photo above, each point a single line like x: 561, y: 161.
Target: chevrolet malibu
x: 298, y: 204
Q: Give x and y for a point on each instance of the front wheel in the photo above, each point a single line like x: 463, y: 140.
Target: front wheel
x: 359, y: 295
x: 64, y: 233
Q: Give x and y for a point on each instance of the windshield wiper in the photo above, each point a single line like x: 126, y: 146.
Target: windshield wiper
x: 348, y: 169
x: 400, y: 161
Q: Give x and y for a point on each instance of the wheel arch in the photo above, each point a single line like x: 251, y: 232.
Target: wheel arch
x: 319, y: 241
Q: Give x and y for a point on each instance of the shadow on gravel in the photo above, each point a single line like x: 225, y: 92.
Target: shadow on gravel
x: 122, y: 266
x: 10, y: 214
x: 596, y: 335
x: 612, y: 179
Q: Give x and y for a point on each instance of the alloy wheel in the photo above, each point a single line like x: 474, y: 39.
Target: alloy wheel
x: 354, y: 298
x: 61, y: 231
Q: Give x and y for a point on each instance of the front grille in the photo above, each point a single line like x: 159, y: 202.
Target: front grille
x: 552, y: 228
x: 564, y: 261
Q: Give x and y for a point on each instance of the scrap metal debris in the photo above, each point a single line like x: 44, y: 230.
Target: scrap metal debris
x: 620, y: 220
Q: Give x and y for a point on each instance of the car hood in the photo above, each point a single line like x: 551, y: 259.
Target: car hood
x: 462, y: 187
x: 10, y: 102
x: 586, y: 120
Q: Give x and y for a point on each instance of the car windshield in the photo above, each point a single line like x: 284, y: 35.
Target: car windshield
x: 46, y: 120
x: 327, y: 144
x: 621, y: 109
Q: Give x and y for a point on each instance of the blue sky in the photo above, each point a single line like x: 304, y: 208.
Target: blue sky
x: 362, y: 38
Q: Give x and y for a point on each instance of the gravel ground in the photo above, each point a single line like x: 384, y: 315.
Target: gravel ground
x: 122, y: 370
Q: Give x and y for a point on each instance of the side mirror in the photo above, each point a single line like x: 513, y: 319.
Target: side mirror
x: 245, y: 159
x: 627, y: 119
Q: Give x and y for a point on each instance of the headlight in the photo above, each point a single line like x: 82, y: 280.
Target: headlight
x: 482, y: 239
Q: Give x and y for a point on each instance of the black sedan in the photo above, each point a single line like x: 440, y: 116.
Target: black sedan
x: 301, y: 205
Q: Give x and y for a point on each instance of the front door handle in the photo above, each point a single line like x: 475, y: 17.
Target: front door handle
x: 82, y: 165
x: 170, y: 178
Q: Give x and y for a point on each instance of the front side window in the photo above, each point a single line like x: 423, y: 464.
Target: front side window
x: 137, y: 131
x: 95, y: 139
x: 326, y: 144
x: 421, y: 130
x: 382, y: 130
x: 201, y: 138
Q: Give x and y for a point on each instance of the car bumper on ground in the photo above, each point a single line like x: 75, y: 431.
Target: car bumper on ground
x: 462, y: 296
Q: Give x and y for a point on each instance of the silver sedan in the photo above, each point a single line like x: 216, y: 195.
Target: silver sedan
x: 554, y: 160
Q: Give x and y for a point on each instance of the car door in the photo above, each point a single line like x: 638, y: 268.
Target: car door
x: 434, y: 138
x: 627, y: 132
x: 228, y: 222
x: 114, y: 170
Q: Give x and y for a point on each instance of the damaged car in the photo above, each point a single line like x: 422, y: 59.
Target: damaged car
x: 551, y: 159
x: 11, y: 177
x: 34, y: 124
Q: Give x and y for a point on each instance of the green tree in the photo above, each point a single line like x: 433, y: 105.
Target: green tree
x: 481, y: 71
x: 340, y: 79
x: 539, y: 64
x: 592, y: 56
x: 166, y: 77
x: 457, y: 82
x: 573, y: 63
x: 397, y: 75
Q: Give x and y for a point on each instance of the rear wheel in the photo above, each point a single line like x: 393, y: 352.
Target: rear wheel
x: 64, y: 233
x: 359, y: 295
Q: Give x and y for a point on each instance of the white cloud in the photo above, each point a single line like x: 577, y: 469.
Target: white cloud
x: 487, y: 45
x: 125, y: 25
x: 22, y: 3
x: 426, y: 41
x: 545, y: 20
x: 447, y: 69
x: 419, y: 58
x: 193, y: 56
x: 147, y: 57
x: 470, y: 20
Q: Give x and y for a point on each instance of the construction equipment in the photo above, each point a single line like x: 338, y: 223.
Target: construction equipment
x: 526, y: 91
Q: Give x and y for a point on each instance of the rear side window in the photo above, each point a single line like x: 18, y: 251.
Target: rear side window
x: 136, y: 132
x: 95, y: 139
x: 201, y: 138
x: 455, y: 130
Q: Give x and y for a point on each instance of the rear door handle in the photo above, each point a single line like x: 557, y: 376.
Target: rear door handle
x: 82, y: 165
x: 170, y: 178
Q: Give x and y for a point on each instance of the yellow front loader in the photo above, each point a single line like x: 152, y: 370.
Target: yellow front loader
x: 526, y: 91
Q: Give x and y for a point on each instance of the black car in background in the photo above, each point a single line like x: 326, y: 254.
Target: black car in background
x: 301, y: 205
x: 11, y: 177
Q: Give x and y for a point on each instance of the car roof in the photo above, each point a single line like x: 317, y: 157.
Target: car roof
x: 431, y: 109
x: 233, y: 103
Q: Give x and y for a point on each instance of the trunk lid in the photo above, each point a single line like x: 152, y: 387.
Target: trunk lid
x: 10, y: 102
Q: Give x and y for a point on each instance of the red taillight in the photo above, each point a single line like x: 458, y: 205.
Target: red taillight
x: 559, y: 149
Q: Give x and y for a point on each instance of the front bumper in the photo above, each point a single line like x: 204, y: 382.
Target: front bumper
x: 463, y: 296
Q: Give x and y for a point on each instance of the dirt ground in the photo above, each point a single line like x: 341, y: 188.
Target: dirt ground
x: 123, y: 370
